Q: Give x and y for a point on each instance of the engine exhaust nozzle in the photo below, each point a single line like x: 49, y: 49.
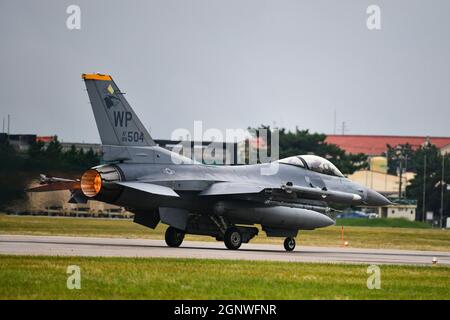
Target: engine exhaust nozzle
x: 91, y: 183
x: 99, y: 183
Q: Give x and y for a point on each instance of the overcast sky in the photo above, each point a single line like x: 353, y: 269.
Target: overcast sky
x: 231, y: 64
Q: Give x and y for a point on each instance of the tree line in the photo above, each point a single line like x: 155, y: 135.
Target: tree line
x: 50, y: 157
x: 428, y: 164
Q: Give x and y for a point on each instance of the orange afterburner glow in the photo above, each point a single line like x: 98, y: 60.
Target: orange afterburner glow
x: 91, y: 183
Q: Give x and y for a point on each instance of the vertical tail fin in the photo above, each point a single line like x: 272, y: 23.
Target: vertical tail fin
x: 116, y: 121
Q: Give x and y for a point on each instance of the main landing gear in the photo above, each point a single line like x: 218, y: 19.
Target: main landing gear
x: 289, y: 244
x: 232, y: 238
x: 174, y: 237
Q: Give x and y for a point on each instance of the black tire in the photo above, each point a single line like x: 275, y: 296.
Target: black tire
x: 289, y: 244
x: 233, y: 238
x: 174, y: 237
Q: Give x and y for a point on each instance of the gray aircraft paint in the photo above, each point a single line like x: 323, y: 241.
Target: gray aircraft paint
x: 205, y: 199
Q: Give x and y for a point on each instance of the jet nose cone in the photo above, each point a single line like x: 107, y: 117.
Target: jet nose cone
x: 374, y: 199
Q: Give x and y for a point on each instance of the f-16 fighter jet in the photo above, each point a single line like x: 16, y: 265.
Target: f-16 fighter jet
x: 221, y: 201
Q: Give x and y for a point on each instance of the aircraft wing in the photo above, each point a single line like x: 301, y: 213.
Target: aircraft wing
x: 149, y: 188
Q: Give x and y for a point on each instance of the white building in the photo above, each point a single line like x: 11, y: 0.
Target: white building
x: 404, y: 211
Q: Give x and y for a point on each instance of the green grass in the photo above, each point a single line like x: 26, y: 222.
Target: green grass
x: 383, y: 222
x: 25, y: 277
x: 358, y: 237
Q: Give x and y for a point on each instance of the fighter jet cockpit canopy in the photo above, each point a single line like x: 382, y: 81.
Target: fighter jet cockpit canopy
x: 313, y: 163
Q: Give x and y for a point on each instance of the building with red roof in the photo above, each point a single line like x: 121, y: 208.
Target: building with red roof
x: 377, y: 145
x: 45, y: 139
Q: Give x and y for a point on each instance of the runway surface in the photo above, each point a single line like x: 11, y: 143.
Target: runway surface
x: 119, y: 247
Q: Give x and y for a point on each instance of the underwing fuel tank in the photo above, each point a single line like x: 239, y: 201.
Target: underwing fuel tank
x: 275, y: 216
x: 98, y: 183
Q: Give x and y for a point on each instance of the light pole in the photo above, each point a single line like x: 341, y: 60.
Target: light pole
x: 406, y: 179
x: 424, y: 185
x: 399, y: 157
x: 442, y: 191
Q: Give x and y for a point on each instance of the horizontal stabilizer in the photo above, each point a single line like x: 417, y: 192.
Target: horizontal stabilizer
x: 229, y: 188
x: 150, y: 188
x: 55, y: 184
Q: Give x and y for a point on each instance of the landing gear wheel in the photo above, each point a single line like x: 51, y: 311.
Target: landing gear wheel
x: 174, y: 237
x: 289, y: 244
x: 233, y: 238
